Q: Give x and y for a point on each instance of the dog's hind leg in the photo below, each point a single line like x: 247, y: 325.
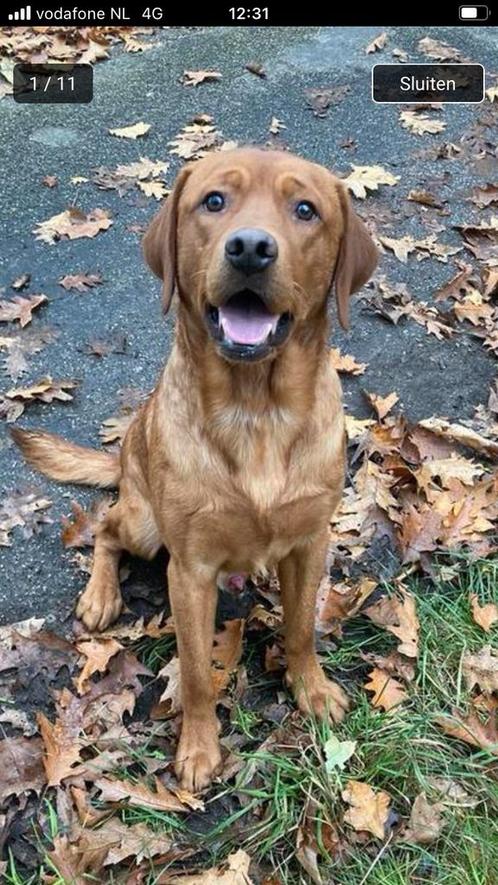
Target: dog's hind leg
x: 129, y: 525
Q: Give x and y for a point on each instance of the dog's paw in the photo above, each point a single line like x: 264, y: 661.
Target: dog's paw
x: 316, y: 695
x: 99, y: 605
x: 198, y: 758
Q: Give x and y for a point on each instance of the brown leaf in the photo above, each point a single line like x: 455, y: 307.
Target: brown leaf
x: 383, y: 404
x: 139, y: 795
x: 46, y: 391
x: 424, y: 198
x: 420, y: 124
x: 398, y: 615
x: 21, y: 282
x: 170, y: 702
x: 227, y: 648
x: 484, y: 615
x: 472, y: 730
x: 368, y: 178
x: 98, y: 652
x: 194, y: 78
x: 426, y: 822
x: 369, y: 809
x: 254, y: 67
x: 73, y: 862
x: 114, y: 429
x: 276, y: 126
x: 32, y: 651
x: 388, y: 693
x: 485, y: 195
x: 20, y: 308
x: 80, y: 530
x: 101, y: 348
x: 194, y: 141
x: 50, y: 181
x: 319, y: 100
x: 438, y: 50
x: 136, y: 130
x: 21, y: 763
x: 481, y: 669
x: 233, y: 871
x: 73, y: 224
x: 25, y: 510
x: 62, y: 748
x: 82, y: 282
x: 461, y: 434
x: 346, y: 363
x: 377, y: 43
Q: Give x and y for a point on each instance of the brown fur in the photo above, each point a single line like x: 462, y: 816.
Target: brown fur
x: 233, y: 466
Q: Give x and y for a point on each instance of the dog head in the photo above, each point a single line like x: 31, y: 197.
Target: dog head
x: 254, y: 241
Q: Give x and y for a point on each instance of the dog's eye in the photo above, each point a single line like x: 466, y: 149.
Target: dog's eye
x: 214, y: 202
x: 305, y: 211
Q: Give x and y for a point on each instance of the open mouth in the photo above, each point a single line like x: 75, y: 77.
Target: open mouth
x: 245, y: 328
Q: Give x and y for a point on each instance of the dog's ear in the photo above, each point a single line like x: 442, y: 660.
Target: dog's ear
x: 160, y: 240
x: 357, y: 258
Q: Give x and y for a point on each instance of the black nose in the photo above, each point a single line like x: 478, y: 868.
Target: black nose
x: 250, y: 249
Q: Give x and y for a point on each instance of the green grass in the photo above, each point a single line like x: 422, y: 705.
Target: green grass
x: 285, y: 784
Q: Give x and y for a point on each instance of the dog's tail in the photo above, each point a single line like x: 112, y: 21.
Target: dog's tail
x: 66, y: 461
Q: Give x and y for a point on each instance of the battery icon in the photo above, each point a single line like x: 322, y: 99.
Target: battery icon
x: 473, y: 13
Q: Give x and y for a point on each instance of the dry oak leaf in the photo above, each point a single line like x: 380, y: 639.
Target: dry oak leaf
x: 388, y: 692
x: 76, y: 864
x: 170, y: 702
x: 420, y: 124
x: 20, y: 308
x: 481, y: 669
x: 156, y: 189
x: 485, y: 195
x: 98, y: 652
x: 484, y: 615
x: 114, y: 429
x: 194, y: 141
x: 46, y: 391
x: 276, y: 126
x: 122, y: 841
x: 72, y: 224
x: 136, y: 130
x: 383, y: 404
x: 233, y: 871
x: 377, y: 43
x: 21, y: 763
x: 21, y: 282
x: 368, y: 178
x: 79, y: 531
x: 193, y: 78
x: 369, y: 810
x: 426, y: 822
x: 460, y: 434
x: 344, y: 362
x: 62, y: 748
x: 336, y: 602
x: 492, y: 93
x: 472, y: 730
x: 398, y: 614
x: 24, y: 510
x: 439, y: 51
x: 80, y: 281
x: 139, y: 795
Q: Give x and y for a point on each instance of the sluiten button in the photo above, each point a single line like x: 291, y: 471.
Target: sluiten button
x: 473, y: 13
x: 423, y: 84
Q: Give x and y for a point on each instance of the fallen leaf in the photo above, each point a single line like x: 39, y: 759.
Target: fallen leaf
x: 62, y: 748
x: 276, y: 126
x: 194, y: 141
x: 426, y: 822
x: 73, y: 861
x: 368, y: 178
x: 387, y: 692
x: 50, y: 181
x: 134, y: 131
x: 398, y: 614
x: 81, y: 281
x: 377, y: 43
x: 139, y: 795
x: 233, y: 871
x: 424, y: 198
x: 20, y: 308
x: 79, y: 531
x: 492, y: 93
x: 25, y: 510
x: 319, y: 100
x: 471, y: 729
x: 72, y: 224
x: 420, y: 124
x: 485, y: 195
x: 438, y: 50
x: 461, y: 434
x: 369, y: 809
x: 170, y: 702
x: 21, y: 762
x: 346, y: 363
x: 46, y: 391
x: 484, y: 615
x: 98, y: 652
x: 156, y: 189
x: 21, y: 282
x: 481, y: 669
x: 115, y: 429
x: 383, y: 404
x: 194, y: 78
x: 337, y: 753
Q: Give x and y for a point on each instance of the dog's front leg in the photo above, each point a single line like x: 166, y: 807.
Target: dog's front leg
x: 299, y: 575
x: 193, y: 596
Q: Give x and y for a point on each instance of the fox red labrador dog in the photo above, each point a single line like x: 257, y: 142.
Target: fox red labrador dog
x: 236, y: 462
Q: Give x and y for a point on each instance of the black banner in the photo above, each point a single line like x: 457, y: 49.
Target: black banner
x: 164, y: 14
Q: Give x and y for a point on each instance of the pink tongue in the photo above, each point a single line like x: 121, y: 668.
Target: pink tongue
x: 246, y: 325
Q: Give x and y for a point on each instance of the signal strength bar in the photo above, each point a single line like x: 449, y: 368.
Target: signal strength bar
x: 23, y: 15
